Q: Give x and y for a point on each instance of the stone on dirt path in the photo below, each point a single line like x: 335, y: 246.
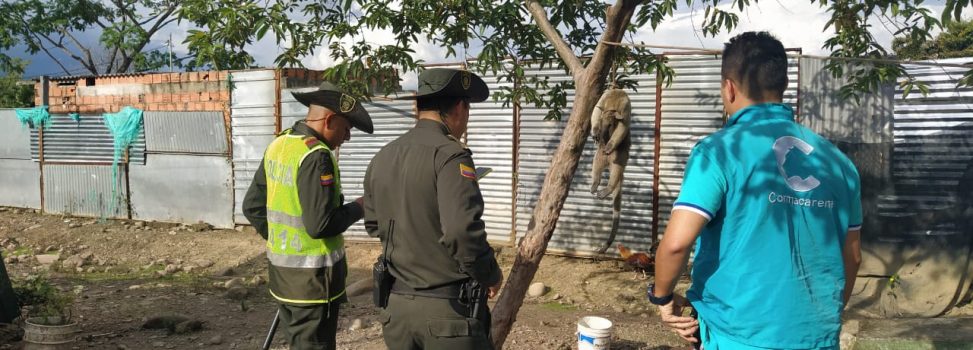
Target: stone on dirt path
x: 236, y: 282
x: 47, y: 259
x: 205, y: 263
x: 536, y: 289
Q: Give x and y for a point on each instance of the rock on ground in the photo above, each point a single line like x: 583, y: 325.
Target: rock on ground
x: 536, y: 289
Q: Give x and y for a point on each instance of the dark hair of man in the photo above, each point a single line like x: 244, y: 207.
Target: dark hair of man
x: 439, y: 104
x: 757, y: 62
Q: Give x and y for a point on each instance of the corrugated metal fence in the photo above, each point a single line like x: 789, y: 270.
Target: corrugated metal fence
x: 585, y: 221
x: 490, y: 136
x: 20, y: 186
x: 187, y: 175
x: 86, y: 140
x: 253, y: 108
x: 932, y: 133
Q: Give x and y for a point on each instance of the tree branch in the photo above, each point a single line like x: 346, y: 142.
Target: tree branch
x: 617, y: 18
x: 126, y: 11
x: 91, y: 61
x: 567, y: 55
x: 111, y: 60
x: 162, y: 21
x: 149, y: 19
x: 65, y: 69
x: 61, y: 46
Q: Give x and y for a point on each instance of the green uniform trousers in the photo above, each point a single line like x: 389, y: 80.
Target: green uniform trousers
x: 310, y: 327
x: 414, y: 322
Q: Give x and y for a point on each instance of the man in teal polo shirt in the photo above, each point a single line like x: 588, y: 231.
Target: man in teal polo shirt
x: 777, y: 213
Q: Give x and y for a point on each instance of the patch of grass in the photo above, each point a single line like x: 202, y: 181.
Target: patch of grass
x: 22, y: 250
x: 102, y: 276
x: 556, y: 306
x: 127, y: 274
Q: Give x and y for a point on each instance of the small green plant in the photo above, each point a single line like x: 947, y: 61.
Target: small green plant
x: 555, y: 306
x: 46, y: 304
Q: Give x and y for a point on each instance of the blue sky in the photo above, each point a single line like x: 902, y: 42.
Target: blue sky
x: 797, y: 24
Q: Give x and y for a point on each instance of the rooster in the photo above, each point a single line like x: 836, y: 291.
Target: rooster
x: 640, y: 261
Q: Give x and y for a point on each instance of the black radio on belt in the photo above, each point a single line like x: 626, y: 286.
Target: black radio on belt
x: 381, y: 275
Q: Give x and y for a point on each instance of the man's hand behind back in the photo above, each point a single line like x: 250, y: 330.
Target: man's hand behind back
x: 671, y: 314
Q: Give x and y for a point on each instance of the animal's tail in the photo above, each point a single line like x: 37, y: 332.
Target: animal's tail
x: 616, y: 218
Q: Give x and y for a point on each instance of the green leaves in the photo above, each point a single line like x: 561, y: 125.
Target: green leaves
x: 46, y: 26
x: 227, y: 28
x: 13, y: 94
x: 953, y: 10
x: 715, y: 20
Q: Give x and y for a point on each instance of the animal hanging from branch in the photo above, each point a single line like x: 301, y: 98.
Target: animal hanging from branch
x: 610, y: 124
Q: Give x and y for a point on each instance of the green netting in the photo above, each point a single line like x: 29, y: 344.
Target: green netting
x: 34, y: 117
x: 75, y: 117
x: 124, y: 127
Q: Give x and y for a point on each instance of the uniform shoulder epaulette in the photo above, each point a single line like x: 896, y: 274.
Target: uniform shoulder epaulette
x: 311, y: 142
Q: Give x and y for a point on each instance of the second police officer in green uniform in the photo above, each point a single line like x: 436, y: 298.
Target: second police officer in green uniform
x: 295, y: 202
x: 423, y: 201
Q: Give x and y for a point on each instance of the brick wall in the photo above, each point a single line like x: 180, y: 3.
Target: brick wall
x: 186, y: 91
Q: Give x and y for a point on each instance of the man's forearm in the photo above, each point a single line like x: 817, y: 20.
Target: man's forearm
x: 673, y: 252
x: 338, y: 220
x: 852, y: 257
x: 669, y: 264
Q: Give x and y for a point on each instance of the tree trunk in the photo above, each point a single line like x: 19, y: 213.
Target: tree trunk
x: 546, y: 213
x: 588, y: 84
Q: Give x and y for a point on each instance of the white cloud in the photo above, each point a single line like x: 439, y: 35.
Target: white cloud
x: 424, y: 50
x: 798, y: 24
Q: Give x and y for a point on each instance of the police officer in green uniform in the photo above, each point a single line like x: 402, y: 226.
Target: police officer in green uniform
x: 422, y: 200
x: 295, y: 203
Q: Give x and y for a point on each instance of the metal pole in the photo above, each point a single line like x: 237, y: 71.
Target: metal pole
x: 45, y: 96
x: 170, y: 52
x: 273, y: 329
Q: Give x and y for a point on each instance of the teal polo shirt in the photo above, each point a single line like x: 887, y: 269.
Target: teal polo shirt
x: 768, y: 270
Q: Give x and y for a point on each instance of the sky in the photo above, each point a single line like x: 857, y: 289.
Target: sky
x: 798, y: 24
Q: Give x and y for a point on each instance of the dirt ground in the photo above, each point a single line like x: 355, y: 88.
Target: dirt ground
x: 124, y: 272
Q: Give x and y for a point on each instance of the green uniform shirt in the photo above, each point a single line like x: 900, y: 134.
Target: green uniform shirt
x: 425, y: 181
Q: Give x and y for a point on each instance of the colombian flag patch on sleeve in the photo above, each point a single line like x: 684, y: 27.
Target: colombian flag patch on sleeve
x: 311, y: 141
x: 327, y: 179
x: 467, y: 171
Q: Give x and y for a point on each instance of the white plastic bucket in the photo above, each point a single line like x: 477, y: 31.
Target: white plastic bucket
x: 594, y: 333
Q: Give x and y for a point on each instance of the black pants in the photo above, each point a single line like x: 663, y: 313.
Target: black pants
x: 310, y: 327
x: 414, y: 322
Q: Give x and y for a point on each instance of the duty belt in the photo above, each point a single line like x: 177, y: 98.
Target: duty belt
x: 450, y: 291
